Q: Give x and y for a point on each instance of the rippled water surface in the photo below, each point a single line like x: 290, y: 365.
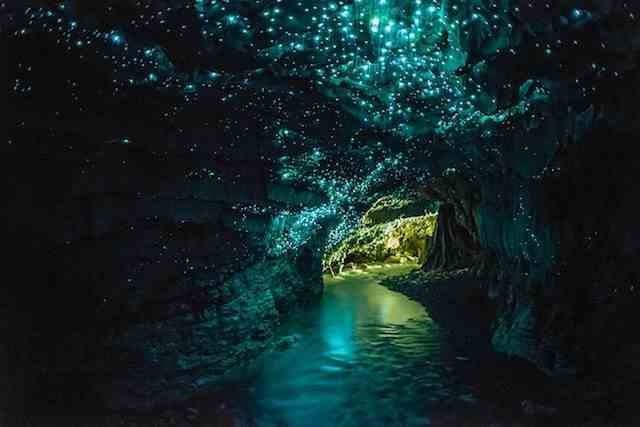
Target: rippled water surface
x: 363, y: 356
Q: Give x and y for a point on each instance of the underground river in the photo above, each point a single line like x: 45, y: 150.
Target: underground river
x: 362, y: 356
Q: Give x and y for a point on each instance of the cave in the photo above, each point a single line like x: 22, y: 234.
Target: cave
x: 320, y: 212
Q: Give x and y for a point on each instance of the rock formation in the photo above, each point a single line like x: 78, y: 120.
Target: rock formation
x: 394, y: 229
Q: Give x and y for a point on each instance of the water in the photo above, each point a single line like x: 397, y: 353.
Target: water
x: 363, y: 356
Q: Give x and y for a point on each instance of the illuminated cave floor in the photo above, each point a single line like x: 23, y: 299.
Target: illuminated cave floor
x: 363, y: 356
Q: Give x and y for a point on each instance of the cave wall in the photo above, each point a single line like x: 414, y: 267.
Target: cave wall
x: 139, y: 279
x: 170, y: 360
x: 556, y: 253
x: 141, y: 217
x: 566, y: 264
x: 540, y: 219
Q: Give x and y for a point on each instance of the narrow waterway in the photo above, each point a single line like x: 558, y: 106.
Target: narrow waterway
x: 363, y: 356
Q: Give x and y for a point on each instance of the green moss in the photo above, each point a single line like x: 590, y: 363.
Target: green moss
x: 393, y: 241
x: 389, y: 208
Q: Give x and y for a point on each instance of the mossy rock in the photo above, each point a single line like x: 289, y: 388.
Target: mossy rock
x: 401, y: 238
x: 389, y: 208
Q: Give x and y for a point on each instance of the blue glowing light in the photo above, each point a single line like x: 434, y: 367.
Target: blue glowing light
x: 116, y: 38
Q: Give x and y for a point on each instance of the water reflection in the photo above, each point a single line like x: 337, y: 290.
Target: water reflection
x: 364, y: 356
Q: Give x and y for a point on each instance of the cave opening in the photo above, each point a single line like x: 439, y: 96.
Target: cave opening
x: 396, y: 228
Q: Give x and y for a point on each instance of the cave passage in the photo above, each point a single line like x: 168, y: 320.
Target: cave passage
x: 182, y: 174
x: 363, y: 355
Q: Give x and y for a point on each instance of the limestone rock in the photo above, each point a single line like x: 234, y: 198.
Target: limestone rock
x: 397, y: 239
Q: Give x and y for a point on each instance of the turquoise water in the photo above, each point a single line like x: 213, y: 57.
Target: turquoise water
x: 363, y: 356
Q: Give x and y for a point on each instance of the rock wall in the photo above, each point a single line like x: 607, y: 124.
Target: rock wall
x: 555, y: 253
x: 139, y: 277
x: 393, y: 229
x: 170, y: 360
x: 535, y: 211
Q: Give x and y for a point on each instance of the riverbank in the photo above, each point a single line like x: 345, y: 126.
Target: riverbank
x: 359, y: 328
x: 457, y: 301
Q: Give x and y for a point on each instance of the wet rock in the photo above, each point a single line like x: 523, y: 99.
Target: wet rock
x: 389, y: 231
x: 193, y: 356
